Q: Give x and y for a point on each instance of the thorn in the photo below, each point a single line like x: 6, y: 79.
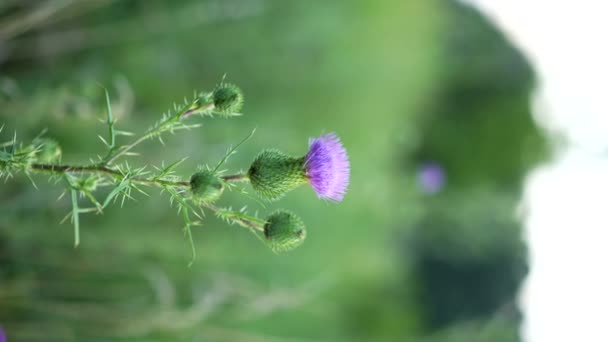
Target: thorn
x: 103, y: 140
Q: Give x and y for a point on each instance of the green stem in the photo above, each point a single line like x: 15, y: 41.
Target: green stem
x: 99, y: 169
x: 160, y: 129
x: 75, y: 217
x: 237, y: 219
x: 236, y: 178
x: 107, y: 171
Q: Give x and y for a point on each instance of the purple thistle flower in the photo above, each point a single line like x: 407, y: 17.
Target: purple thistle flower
x: 327, y: 167
x: 2, y: 336
x: 431, y: 177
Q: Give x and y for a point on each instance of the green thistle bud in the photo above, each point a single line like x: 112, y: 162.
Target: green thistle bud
x: 284, y: 231
x: 227, y: 99
x: 49, y: 150
x: 206, y: 186
x: 273, y: 173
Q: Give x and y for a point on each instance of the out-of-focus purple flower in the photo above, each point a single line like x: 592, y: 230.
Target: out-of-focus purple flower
x: 431, y: 177
x: 2, y: 336
x: 327, y: 167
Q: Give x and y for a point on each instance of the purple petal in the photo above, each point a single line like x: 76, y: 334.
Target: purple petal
x: 327, y: 167
x: 2, y: 336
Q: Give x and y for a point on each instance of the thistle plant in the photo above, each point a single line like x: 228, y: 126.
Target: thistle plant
x: 108, y: 178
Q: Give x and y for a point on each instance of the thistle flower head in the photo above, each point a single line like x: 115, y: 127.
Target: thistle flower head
x: 327, y: 167
x: 206, y: 186
x: 227, y: 99
x: 284, y: 231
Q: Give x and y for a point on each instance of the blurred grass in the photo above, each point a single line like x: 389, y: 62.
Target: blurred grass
x: 374, y: 72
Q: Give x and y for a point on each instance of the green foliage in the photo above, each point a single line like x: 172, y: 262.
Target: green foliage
x: 473, y: 244
x: 479, y: 115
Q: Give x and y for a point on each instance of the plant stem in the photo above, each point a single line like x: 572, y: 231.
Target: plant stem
x: 107, y: 171
x: 236, y: 178
x: 237, y: 219
x: 75, y: 217
x: 99, y: 169
x: 160, y: 129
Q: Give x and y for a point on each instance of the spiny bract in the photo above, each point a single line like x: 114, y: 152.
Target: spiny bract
x: 273, y: 173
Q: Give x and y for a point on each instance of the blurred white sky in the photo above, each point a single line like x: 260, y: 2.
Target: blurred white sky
x: 565, y: 205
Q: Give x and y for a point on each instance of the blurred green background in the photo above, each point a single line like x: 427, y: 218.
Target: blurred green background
x: 405, y: 84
